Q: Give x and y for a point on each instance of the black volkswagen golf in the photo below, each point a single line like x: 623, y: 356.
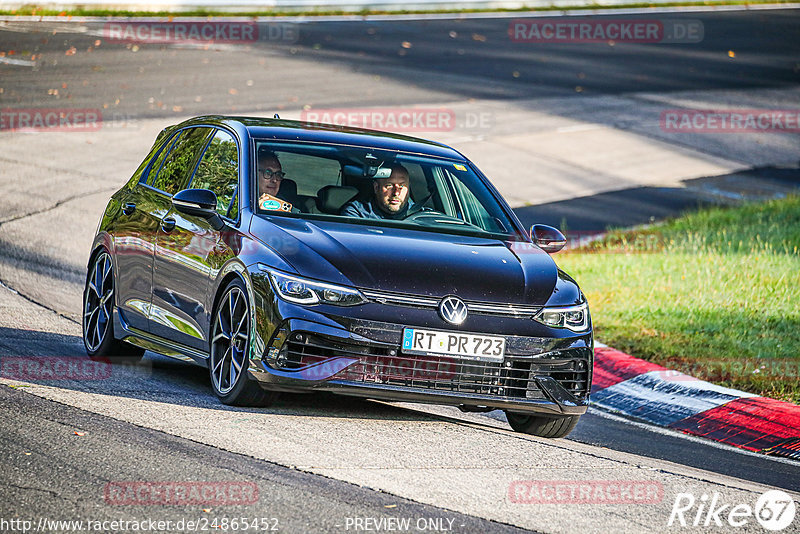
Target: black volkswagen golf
x: 290, y: 256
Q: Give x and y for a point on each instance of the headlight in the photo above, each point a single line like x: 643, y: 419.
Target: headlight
x: 576, y: 318
x: 303, y: 291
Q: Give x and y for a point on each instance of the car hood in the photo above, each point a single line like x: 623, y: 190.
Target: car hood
x: 411, y: 261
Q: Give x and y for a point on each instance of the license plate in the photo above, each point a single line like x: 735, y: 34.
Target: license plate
x: 466, y: 346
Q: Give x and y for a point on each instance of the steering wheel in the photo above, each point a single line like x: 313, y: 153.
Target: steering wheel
x: 416, y: 212
x: 431, y: 217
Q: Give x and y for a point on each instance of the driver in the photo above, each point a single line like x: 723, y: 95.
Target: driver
x: 389, y: 201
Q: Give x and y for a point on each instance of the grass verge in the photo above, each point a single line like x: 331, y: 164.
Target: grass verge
x: 41, y: 11
x: 715, y: 294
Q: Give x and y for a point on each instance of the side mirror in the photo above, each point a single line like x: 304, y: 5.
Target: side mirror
x: 547, y: 238
x: 198, y: 203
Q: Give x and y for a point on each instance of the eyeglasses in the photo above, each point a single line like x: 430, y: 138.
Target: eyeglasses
x: 276, y: 176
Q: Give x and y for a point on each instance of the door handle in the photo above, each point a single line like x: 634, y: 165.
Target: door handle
x: 128, y: 208
x: 168, y: 224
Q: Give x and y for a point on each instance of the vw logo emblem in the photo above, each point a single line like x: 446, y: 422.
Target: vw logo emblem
x: 453, y: 310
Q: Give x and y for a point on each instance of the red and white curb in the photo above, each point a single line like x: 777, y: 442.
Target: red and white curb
x: 663, y: 397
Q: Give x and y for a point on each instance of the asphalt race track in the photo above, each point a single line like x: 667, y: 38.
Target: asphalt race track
x: 569, y: 132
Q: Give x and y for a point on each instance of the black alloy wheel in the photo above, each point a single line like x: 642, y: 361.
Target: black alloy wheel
x: 230, y: 349
x: 98, y: 318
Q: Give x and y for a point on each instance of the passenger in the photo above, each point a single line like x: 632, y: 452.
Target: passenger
x: 270, y: 175
x: 390, y: 198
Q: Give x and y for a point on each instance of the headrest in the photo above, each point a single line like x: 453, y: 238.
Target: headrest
x: 288, y: 189
x: 331, y: 198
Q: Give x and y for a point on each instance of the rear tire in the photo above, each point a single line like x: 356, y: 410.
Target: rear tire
x: 544, y: 426
x: 98, y: 319
x: 230, y: 349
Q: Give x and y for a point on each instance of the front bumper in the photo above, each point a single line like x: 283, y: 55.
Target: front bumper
x: 537, y: 375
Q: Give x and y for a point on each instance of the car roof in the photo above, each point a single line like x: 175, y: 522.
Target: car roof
x: 312, y: 132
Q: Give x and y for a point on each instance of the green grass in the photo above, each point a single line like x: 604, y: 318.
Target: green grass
x: 715, y: 294
x: 34, y: 10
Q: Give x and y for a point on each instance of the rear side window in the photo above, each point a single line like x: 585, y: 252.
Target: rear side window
x: 140, y: 175
x: 160, y: 159
x: 219, y: 171
x: 177, y: 166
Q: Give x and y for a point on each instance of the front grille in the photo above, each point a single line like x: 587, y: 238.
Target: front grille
x: 384, y: 364
x: 417, y: 301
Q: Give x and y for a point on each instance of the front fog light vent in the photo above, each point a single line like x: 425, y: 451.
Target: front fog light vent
x: 283, y: 356
x: 278, y: 349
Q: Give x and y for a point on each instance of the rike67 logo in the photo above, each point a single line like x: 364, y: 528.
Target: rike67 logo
x: 774, y: 510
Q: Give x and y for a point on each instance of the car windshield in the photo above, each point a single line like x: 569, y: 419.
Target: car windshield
x: 375, y: 187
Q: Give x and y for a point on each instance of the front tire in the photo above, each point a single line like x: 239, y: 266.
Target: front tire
x: 98, y: 319
x: 230, y: 349
x: 544, y: 426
